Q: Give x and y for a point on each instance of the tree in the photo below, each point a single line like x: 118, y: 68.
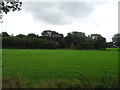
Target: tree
x: 32, y: 35
x: 116, y: 40
x: 50, y: 34
x: 31, y: 43
x: 55, y: 36
x: 21, y: 35
x: 5, y: 34
x: 9, y: 5
x: 76, y: 38
x: 89, y: 43
x: 99, y: 41
x: 109, y: 45
x: 72, y: 46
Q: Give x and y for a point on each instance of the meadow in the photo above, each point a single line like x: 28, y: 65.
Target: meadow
x: 35, y: 65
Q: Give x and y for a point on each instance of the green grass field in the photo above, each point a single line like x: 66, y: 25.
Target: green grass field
x: 35, y: 65
x: 114, y: 49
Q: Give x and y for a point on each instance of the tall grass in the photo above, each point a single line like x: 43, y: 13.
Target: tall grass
x: 105, y: 81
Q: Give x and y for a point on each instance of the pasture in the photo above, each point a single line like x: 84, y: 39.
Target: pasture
x: 36, y: 65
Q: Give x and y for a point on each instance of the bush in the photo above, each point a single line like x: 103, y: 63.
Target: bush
x: 28, y: 43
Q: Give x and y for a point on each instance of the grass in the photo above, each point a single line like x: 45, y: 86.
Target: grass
x: 115, y: 49
x: 39, y: 65
x: 103, y: 82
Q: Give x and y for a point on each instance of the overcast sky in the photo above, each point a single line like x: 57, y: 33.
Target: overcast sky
x: 100, y: 17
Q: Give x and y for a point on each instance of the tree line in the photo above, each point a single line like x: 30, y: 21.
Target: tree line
x: 54, y: 40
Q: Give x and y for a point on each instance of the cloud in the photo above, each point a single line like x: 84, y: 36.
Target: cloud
x: 88, y: 17
x: 59, y: 13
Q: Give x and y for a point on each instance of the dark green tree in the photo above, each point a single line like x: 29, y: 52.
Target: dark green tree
x: 49, y: 33
x: 72, y: 46
x: 21, y: 36
x: 109, y: 45
x: 55, y: 36
x: 10, y: 5
x: 77, y: 39
x: 116, y: 40
x: 31, y: 43
x: 89, y: 43
x: 32, y: 35
x: 99, y: 41
x: 5, y: 34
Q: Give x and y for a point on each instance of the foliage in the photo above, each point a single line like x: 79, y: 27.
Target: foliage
x: 21, y: 36
x: 116, y: 40
x: 52, y: 40
x: 99, y: 41
x: 81, y: 82
x: 5, y: 34
x: 31, y: 35
x: 33, y: 43
x: 55, y: 36
x: 109, y: 45
x: 72, y: 46
x: 78, y: 39
x: 8, y: 5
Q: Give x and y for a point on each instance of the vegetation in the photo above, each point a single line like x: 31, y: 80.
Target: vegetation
x: 81, y: 82
x: 116, y: 40
x: 54, y: 40
x: 62, y: 66
x: 87, y: 65
x: 58, y: 68
x: 83, y: 67
x: 10, y: 5
x: 33, y: 43
x: 113, y: 49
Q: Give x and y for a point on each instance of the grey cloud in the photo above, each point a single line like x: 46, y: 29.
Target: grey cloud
x: 59, y: 13
x: 76, y: 9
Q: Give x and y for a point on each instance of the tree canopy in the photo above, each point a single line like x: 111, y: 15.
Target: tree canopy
x: 55, y: 36
x: 54, y: 40
x: 9, y: 5
x: 116, y: 40
x: 76, y: 38
x: 99, y: 41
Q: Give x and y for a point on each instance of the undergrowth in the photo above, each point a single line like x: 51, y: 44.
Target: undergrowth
x: 105, y: 81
